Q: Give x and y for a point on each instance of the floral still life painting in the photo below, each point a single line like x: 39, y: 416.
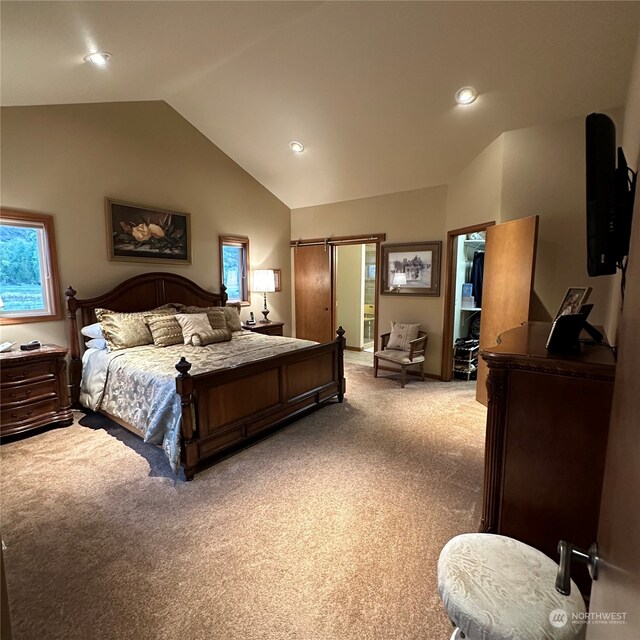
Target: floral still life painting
x: 143, y: 233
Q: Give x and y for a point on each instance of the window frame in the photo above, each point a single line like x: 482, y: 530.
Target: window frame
x: 241, y: 242
x: 51, y: 286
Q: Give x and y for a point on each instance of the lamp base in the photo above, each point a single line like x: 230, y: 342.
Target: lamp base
x: 265, y: 313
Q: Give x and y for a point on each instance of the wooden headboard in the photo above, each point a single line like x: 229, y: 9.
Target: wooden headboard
x: 140, y: 293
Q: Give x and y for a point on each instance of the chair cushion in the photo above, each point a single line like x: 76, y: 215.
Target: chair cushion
x: 496, y: 588
x: 399, y: 357
x: 401, y: 335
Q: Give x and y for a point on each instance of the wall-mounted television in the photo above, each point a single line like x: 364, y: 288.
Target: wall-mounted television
x: 610, y: 195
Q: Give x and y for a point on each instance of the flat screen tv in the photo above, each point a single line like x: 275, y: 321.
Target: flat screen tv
x: 610, y: 194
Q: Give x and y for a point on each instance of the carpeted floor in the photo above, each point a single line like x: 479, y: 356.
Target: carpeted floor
x: 328, y: 530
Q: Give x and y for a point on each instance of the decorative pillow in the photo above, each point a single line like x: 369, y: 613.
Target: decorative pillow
x: 165, y: 329
x: 124, y: 330
x: 216, y: 335
x: 178, y: 307
x: 195, y: 324
x: 230, y: 315
x: 92, y: 330
x: 402, y: 335
x: 97, y: 343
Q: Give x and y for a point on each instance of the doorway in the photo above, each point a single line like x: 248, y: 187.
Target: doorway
x: 507, y: 286
x: 337, y: 284
x: 463, y: 302
x: 355, y: 300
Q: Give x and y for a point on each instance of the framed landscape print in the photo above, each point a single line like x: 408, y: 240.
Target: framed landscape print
x: 140, y: 233
x: 411, y: 269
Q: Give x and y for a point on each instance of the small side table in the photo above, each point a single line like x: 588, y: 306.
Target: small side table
x: 33, y: 389
x: 267, y: 328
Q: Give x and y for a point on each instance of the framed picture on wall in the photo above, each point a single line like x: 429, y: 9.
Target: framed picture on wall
x: 141, y: 233
x: 411, y: 269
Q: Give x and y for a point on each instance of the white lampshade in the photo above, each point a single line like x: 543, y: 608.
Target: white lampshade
x: 399, y: 279
x: 264, y: 280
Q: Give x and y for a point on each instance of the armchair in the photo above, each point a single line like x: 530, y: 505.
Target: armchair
x: 404, y: 359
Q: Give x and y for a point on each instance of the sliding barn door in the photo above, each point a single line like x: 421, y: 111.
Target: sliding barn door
x: 509, y: 268
x: 314, y: 297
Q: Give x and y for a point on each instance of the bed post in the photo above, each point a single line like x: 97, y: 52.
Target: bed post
x: 75, y: 367
x: 184, y: 387
x: 343, y: 383
x: 223, y: 295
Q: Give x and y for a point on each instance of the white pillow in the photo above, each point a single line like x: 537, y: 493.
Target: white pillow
x: 97, y: 343
x: 402, y: 335
x: 194, y: 325
x: 92, y: 330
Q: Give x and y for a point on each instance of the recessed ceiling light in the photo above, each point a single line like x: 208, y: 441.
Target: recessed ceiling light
x: 296, y: 147
x: 466, y: 95
x: 99, y: 58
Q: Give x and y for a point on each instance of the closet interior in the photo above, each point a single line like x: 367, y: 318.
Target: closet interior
x: 469, y: 270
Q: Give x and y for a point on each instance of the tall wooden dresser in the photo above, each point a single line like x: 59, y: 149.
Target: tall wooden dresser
x: 547, y: 426
x: 33, y: 389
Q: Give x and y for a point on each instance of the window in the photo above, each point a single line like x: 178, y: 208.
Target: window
x: 234, y: 267
x: 29, y: 290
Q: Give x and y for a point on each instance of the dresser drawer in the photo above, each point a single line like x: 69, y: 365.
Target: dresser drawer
x: 27, y: 392
x: 25, y: 372
x: 27, y: 412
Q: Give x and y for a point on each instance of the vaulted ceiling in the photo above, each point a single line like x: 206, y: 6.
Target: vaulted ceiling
x: 367, y: 86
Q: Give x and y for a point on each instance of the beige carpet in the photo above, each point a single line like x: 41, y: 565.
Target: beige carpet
x: 328, y: 530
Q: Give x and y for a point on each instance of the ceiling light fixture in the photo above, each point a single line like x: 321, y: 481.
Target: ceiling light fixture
x: 99, y: 58
x: 466, y: 95
x: 296, y: 147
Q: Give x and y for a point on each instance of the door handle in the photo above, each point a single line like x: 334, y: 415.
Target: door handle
x: 569, y: 552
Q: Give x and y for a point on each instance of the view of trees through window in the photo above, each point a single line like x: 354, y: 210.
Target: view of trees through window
x: 20, y: 269
x: 232, y: 265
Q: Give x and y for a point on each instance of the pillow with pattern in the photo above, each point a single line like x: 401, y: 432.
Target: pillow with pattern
x: 165, y: 329
x: 124, y: 330
x: 229, y: 314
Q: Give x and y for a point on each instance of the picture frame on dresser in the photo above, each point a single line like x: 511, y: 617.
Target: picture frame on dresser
x: 143, y: 233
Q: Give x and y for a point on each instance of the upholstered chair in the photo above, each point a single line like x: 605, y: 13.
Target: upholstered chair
x: 401, y: 349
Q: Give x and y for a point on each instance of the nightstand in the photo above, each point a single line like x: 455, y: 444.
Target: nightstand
x: 33, y: 389
x: 267, y: 328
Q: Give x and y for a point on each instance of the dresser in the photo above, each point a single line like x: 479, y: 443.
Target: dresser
x: 33, y: 389
x: 267, y: 328
x: 546, y: 439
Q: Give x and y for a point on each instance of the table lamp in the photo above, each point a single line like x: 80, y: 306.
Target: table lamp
x: 399, y: 280
x: 264, y: 280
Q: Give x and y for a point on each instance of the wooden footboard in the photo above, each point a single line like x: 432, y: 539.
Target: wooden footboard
x: 223, y: 408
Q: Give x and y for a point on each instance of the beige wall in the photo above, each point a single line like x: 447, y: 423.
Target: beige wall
x: 544, y: 174
x: 409, y: 216
x: 629, y: 139
x: 474, y: 195
x: 63, y: 160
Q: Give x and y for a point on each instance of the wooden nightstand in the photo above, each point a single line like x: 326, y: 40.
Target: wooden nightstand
x: 268, y: 328
x: 33, y: 389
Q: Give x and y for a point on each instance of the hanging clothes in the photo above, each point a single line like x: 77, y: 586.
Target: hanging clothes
x: 477, y: 273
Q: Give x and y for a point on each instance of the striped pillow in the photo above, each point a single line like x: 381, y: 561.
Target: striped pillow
x: 165, y: 330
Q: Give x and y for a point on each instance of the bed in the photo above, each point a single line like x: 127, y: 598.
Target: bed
x: 216, y: 410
